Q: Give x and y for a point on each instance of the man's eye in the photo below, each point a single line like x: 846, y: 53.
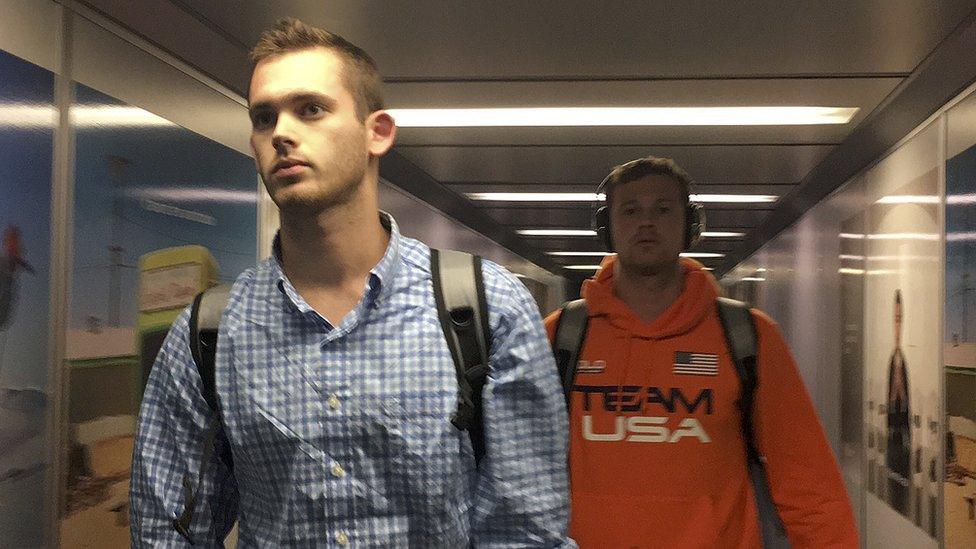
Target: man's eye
x: 262, y: 119
x: 312, y: 110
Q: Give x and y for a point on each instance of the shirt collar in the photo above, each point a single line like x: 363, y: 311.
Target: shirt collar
x: 380, y: 279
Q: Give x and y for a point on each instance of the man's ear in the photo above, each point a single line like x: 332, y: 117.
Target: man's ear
x: 381, y: 133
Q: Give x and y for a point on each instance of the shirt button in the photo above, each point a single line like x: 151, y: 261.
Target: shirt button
x: 334, y: 401
x: 338, y: 471
x: 342, y: 538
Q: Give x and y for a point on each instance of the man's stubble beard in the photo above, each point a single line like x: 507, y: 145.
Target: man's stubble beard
x: 323, y: 197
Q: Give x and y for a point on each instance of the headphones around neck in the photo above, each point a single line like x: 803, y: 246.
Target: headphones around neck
x: 694, y: 220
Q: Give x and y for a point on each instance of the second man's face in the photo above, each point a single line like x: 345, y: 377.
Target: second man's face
x: 309, y: 144
x: 648, y: 223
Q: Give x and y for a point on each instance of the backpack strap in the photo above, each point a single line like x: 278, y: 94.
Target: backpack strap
x: 459, y: 291
x: 741, y: 338
x: 574, y: 319
x: 205, y: 313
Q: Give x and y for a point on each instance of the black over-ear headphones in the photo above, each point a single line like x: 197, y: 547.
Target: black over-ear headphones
x: 694, y: 219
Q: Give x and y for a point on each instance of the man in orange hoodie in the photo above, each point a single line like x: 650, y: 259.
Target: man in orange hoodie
x: 657, y: 451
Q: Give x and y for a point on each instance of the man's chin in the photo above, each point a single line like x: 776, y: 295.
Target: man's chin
x: 647, y: 266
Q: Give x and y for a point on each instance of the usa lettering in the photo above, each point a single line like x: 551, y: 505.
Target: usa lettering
x: 646, y: 429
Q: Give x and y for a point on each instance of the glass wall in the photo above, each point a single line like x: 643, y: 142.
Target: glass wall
x: 27, y: 118
x: 894, y: 325
x: 960, y: 326
x: 165, y: 205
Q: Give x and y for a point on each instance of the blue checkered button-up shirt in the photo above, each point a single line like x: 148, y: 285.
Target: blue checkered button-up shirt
x: 341, y: 435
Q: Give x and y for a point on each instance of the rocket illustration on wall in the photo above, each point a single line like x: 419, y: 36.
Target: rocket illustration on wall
x: 12, y: 262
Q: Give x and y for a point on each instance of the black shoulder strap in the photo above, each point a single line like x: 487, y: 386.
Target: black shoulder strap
x: 740, y: 336
x: 574, y: 319
x: 205, y: 313
x: 459, y: 292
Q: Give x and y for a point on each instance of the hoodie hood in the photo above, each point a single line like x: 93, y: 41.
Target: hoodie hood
x: 696, y: 301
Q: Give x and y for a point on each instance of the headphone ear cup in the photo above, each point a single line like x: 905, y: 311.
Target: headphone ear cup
x: 601, y: 222
x: 694, y: 224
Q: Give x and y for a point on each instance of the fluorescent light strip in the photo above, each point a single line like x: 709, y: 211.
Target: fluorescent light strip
x: 594, y: 197
x: 891, y: 236
x: 701, y: 255
x: 556, y: 232
x: 908, y: 199
x: 578, y: 254
x: 621, y: 116
x: 753, y: 279
x: 961, y: 199
x: 722, y: 234
x: 582, y: 267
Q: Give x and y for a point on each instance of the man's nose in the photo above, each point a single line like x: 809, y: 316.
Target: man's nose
x: 284, y: 136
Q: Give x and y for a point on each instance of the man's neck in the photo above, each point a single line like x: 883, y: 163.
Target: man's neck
x: 333, y: 249
x: 648, y: 294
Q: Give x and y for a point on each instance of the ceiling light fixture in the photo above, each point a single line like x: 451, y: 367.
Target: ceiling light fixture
x: 556, y: 232
x: 701, y: 255
x: 722, y: 234
x: 621, y: 116
x: 578, y: 254
x: 594, y: 197
x: 582, y: 267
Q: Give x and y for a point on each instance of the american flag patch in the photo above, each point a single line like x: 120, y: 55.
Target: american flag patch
x: 695, y: 364
x: 587, y: 367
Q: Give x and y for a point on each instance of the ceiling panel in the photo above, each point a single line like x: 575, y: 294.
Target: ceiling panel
x: 586, y: 165
x: 512, y: 38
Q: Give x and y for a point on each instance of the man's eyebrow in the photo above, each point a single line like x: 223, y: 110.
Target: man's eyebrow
x: 293, y: 97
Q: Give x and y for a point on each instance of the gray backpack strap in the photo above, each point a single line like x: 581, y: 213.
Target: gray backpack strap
x: 459, y: 292
x: 205, y: 315
x: 741, y: 338
x: 574, y: 319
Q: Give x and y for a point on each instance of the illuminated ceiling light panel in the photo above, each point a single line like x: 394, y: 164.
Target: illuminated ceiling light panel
x: 594, y: 197
x: 621, y: 116
x: 753, y: 279
x: 762, y: 270
x: 701, y: 255
x: 582, y: 267
x: 958, y: 199
x: 556, y: 232
x: 722, y: 234
x: 578, y: 254
x: 908, y: 199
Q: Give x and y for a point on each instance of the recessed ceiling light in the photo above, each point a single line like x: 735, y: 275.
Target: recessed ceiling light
x: 582, y: 267
x: 701, y: 255
x: 622, y: 116
x: 753, y: 279
x: 578, y: 254
x: 594, y: 197
x: 556, y: 232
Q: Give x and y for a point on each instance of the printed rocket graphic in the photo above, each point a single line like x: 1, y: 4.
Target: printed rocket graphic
x: 11, y: 262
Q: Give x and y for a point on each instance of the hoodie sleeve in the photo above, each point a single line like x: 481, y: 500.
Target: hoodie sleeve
x: 803, y: 475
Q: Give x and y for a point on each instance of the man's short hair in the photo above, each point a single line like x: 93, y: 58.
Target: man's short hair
x: 360, y: 73
x: 644, y: 167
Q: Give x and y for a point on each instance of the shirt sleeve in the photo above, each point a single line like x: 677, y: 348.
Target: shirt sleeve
x: 173, y: 424
x: 522, y: 498
x: 803, y: 475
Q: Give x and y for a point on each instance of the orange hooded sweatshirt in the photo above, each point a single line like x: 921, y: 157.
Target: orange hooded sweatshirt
x: 657, y: 457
